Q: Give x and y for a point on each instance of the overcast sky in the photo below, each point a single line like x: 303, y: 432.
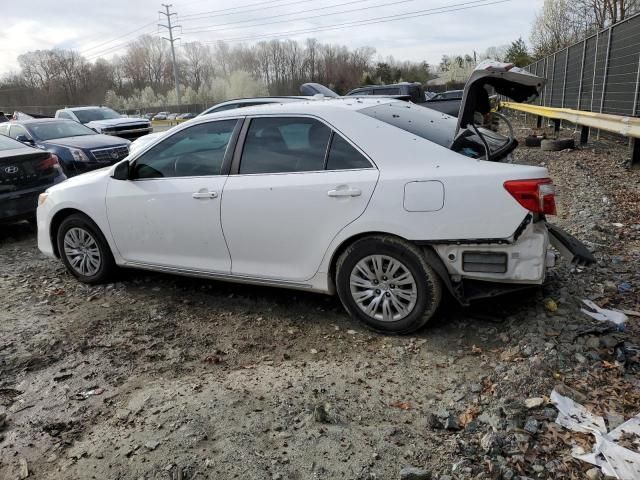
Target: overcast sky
x: 100, y: 28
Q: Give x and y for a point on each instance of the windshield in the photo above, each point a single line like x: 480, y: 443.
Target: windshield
x: 7, y: 143
x: 62, y: 129
x: 91, y: 114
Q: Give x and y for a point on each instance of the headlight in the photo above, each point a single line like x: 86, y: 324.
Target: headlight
x: 42, y: 198
x: 78, y: 155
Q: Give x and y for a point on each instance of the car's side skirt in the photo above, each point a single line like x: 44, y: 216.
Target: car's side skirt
x: 227, y: 277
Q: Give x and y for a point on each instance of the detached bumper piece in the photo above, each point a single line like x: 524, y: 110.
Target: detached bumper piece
x: 570, y: 247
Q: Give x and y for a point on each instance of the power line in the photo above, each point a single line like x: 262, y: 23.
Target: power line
x: 171, y: 40
x: 267, y: 2
x: 370, y: 21
x: 207, y: 29
x: 116, y: 38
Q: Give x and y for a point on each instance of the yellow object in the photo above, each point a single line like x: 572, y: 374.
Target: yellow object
x: 550, y: 305
x: 620, y: 124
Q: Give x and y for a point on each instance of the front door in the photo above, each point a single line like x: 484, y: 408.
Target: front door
x: 296, y: 186
x: 168, y: 213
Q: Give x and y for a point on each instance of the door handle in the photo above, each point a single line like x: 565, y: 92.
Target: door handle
x: 204, y: 194
x: 345, y: 192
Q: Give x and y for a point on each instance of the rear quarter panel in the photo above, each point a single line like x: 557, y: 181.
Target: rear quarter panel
x: 476, y: 205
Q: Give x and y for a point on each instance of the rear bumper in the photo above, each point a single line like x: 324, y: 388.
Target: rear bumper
x: 490, y: 269
x: 22, y: 205
x: 522, y: 261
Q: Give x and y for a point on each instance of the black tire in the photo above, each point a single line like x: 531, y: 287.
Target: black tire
x: 106, y: 266
x: 428, y: 286
x: 533, y: 141
x: 557, y: 145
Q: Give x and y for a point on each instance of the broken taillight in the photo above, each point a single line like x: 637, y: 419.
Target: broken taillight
x: 536, y: 195
x: 49, y: 162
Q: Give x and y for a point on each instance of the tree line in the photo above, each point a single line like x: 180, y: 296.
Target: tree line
x: 143, y: 77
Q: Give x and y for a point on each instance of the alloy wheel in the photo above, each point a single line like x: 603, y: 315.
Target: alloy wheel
x: 383, y: 288
x: 82, y: 251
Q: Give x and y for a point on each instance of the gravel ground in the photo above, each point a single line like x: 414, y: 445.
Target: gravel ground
x: 161, y: 377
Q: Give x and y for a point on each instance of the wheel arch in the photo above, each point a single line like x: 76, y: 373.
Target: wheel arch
x: 429, y: 254
x: 57, y: 220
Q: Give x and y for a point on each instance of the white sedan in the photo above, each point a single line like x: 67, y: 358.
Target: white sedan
x: 319, y: 195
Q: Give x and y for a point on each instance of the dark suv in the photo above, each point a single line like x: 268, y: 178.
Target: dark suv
x: 413, y: 91
x: 25, y: 172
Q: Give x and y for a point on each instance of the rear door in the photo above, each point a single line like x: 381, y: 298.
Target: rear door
x: 294, y: 185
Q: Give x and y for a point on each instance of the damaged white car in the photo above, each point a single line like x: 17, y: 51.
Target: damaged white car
x: 335, y: 196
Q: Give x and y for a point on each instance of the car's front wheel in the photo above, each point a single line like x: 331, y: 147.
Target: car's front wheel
x: 386, y: 283
x: 84, y: 250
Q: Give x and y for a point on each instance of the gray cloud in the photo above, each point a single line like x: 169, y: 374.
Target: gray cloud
x: 43, y: 24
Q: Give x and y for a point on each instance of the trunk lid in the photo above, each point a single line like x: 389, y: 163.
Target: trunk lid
x: 507, y: 80
x: 25, y: 168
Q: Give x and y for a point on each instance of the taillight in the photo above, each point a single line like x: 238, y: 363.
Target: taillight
x: 49, y: 162
x: 536, y: 195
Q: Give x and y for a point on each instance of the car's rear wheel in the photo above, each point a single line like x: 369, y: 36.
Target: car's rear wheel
x: 84, y: 250
x: 386, y: 283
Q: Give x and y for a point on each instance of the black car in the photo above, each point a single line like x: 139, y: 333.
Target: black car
x: 78, y: 148
x: 447, y: 102
x: 412, y: 90
x: 25, y: 172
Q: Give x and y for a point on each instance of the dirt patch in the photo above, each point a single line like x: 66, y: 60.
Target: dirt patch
x: 166, y: 377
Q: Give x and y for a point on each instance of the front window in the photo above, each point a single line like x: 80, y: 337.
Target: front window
x: 16, y: 131
x: 193, y: 152
x: 48, y: 130
x: 91, y: 114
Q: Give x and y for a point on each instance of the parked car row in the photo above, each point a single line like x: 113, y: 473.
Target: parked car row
x: 169, y: 116
x: 381, y: 201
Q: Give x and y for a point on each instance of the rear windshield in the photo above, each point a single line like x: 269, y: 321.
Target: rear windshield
x: 424, y: 122
x: 63, y: 129
x: 7, y: 143
x: 92, y: 114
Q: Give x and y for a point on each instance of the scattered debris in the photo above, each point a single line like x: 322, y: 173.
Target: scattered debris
x: 89, y: 392
x: 614, y: 460
x: 413, y: 473
x: 604, y: 315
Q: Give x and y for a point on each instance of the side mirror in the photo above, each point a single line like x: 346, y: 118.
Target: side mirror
x: 25, y: 139
x: 121, y: 172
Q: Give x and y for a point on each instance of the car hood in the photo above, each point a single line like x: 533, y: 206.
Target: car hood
x: 113, y: 122
x: 86, y: 141
x: 83, y: 179
x: 507, y: 80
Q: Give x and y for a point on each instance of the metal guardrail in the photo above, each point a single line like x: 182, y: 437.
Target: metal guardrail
x: 618, y: 124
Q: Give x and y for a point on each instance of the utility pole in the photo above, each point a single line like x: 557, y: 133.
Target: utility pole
x: 171, y: 40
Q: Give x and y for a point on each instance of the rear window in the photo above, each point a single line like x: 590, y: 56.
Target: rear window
x: 421, y: 121
x: 7, y: 143
x: 387, y: 91
x: 93, y: 114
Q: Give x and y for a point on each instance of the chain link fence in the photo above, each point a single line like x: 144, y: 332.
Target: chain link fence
x: 598, y: 74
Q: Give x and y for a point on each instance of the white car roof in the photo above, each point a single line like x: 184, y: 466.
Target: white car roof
x: 85, y: 108
x: 308, y: 105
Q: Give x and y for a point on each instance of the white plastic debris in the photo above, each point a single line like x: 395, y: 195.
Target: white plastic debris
x: 604, y: 315
x: 614, y: 460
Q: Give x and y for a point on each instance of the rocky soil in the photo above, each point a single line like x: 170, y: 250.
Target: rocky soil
x: 161, y: 377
